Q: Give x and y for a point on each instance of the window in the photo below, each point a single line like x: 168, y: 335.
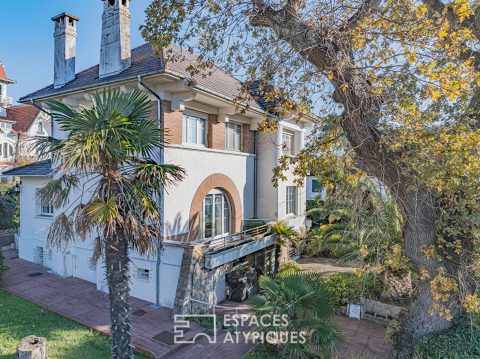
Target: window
x: 291, y: 200
x: 193, y: 130
x: 315, y: 186
x: 143, y: 274
x: 6, y: 150
x: 6, y: 125
x: 43, y: 208
x: 215, y: 218
x: 39, y: 128
x: 233, y: 136
x: 288, y: 143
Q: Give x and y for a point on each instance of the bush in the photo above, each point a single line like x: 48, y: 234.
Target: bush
x: 289, y: 268
x: 350, y: 287
x: 9, y: 208
x: 461, y: 341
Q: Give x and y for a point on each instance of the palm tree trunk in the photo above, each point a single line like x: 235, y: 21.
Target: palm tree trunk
x: 116, y: 253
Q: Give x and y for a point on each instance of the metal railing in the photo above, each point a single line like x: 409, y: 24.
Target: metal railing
x: 231, y: 240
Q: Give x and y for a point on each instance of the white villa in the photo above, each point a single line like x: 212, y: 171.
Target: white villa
x: 229, y: 165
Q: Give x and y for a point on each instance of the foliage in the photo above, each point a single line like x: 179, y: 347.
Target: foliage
x: 262, y: 351
x: 392, y: 331
x: 289, y: 268
x: 347, y: 287
x: 359, y: 222
x: 106, y: 186
x: 285, y: 234
x: 304, y: 301
x: 462, y: 341
x: 65, y: 338
x: 9, y: 208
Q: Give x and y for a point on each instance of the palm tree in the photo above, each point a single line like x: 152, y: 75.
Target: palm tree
x: 107, y: 184
x: 285, y: 236
x: 302, y: 300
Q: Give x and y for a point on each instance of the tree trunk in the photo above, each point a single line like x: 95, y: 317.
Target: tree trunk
x: 419, y: 232
x: 116, y: 253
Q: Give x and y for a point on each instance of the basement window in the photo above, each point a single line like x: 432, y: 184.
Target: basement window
x: 143, y: 274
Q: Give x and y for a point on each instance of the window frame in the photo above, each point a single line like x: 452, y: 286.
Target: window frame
x: 228, y: 128
x: 199, y: 118
x: 291, y: 200
x: 226, y: 208
x: 40, y: 207
x: 291, y: 135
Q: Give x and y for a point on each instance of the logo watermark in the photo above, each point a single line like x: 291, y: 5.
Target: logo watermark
x: 237, y: 328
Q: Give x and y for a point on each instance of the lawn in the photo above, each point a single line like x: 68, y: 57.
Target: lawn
x: 65, y: 338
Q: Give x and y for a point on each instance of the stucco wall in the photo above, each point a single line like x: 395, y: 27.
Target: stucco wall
x: 201, y: 163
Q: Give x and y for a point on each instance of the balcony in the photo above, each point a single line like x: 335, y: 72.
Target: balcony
x: 6, y: 101
x: 225, y: 249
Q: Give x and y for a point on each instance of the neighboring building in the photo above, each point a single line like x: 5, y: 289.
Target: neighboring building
x: 315, y: 189
x: 229, y: 166
x: 5, y: 100
x: 18, y: 125
x: 7, y: 142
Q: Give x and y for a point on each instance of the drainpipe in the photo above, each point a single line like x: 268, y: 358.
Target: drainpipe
x: 160, y: 196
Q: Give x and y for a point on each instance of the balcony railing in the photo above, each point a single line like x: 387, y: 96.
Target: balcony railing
x: 6, y: 101
x: 231, y: 240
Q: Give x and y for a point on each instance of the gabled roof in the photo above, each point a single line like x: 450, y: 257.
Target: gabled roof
x: 40, y: 169
x: 23, y: 116
x: 144, y: 63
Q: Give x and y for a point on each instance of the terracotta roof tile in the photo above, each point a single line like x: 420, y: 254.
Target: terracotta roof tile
x: 23, y: 115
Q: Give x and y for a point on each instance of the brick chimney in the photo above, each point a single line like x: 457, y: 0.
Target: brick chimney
x: 65, y: 48
x: 115, y: 51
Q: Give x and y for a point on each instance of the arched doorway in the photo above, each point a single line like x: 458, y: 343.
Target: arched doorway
x: 223, y: 190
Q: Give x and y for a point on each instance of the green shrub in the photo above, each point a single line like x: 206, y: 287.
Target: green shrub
x: 350, y: 287
x: 461, y: 341
x: 9, y: 208
x: 289, y: 268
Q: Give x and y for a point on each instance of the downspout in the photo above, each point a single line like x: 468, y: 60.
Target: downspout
x: 160, y: 196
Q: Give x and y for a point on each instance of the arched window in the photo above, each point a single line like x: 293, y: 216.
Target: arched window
x: 215, y: 216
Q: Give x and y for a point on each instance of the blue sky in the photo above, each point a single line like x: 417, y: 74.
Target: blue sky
x: 26, y: 38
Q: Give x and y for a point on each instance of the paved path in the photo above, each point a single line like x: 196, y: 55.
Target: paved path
x: 79, y: 300
x: 325, y: 266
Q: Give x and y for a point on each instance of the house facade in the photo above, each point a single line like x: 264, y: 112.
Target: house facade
x: 18, y: 125
x: 210, y: 220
